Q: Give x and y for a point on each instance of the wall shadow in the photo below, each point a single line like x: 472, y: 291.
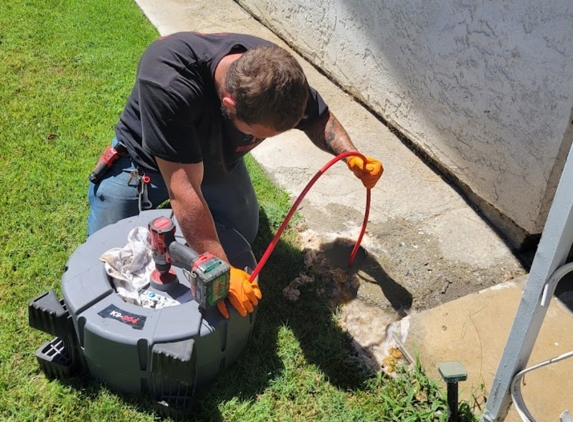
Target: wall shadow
x: 392, y: 33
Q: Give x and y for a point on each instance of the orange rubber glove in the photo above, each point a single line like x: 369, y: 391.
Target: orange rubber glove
x: 369, y: 172
x: 243, y: 294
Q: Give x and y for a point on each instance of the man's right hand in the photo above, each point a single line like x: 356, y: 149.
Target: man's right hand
x: 244, y: 295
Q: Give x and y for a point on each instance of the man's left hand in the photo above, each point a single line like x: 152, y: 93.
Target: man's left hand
x: 368, y: 171
x: 244, y: 295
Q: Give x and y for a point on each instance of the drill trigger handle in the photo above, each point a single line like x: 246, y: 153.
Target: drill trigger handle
x: 182, y: 256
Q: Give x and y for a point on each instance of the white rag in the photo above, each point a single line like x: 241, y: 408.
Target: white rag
x: 130, y: 267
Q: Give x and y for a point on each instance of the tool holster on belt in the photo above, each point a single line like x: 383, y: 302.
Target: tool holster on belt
x: 108, y: 157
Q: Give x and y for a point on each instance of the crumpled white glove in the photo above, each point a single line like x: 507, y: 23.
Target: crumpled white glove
x: 130, y: 267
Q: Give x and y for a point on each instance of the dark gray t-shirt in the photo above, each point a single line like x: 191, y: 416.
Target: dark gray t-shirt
x: 174, y: 112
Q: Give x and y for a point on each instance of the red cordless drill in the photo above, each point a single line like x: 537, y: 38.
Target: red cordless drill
x: 210, y: 276
x: 108, y: 157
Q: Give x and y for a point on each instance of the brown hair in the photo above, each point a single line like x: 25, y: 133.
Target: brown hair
x: 269, y: 88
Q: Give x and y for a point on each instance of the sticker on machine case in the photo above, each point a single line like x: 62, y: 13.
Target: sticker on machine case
x: 135, y: 321
x: 149, y: 299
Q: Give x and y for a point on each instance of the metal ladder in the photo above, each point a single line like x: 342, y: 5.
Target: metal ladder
x: 547, y: 270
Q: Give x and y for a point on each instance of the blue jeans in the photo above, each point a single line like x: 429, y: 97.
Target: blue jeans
x: 231, y: 198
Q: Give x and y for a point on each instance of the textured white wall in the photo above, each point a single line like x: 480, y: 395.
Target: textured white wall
x: 484, y: 87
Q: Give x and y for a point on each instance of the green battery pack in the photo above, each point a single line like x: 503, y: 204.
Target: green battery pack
x: 209, y: 280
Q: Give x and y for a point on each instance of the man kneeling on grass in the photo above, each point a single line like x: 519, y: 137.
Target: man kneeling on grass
x: 200, y: 102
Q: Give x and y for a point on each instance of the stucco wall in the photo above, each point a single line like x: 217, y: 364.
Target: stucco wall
x: 484, y: 88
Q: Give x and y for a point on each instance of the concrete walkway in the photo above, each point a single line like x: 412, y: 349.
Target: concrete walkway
x: 436, y: 259
x: 474, y: 331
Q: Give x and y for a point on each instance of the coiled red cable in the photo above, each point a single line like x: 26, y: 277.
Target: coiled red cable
x: 294, y: 207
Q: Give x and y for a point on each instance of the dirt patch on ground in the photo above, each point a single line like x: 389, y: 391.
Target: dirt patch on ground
x: 402, y: 268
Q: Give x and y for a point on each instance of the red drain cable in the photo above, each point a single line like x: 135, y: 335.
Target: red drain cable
x: 294, y: 207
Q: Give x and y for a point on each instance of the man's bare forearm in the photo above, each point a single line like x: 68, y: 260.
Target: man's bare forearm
x: 197, y: 227
x: 195, y: 220
x: 329, y: 135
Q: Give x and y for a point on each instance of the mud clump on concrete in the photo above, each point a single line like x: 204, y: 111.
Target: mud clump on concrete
x: 292, y: 292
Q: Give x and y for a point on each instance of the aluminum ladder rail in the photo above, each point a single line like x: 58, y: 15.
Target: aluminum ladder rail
x: 551, y: 255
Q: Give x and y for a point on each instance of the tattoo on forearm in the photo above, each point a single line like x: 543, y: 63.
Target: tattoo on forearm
x: 330, y: 133
x: 336, y: 137
x: 330, y: 136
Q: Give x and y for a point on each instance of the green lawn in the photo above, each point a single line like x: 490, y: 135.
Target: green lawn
x: 66, y: 69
